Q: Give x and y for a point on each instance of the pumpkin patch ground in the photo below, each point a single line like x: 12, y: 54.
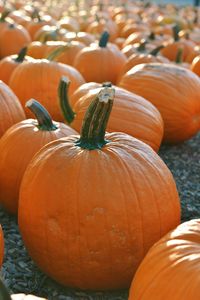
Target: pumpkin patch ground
x: 122, y: 78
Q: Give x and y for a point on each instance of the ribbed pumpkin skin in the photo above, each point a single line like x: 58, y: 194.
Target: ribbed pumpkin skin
x: 174, y: 90
x: 100, y: 64
x: 11, y: 111
x: 40, y: 81
x: 131, y: 114
x: 1, y: 246
x: 170, y: 270
x: 88, y: 217
x: 17, y: 147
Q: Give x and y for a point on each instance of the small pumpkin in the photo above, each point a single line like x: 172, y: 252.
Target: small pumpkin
x: 170, y: 269
x: 39, y: 79
x: 17, y: 147
x: 126, y: 199
x: 174, y: 90
x: 11, y: 110
x: 100, y: 62
x: 1, y: 246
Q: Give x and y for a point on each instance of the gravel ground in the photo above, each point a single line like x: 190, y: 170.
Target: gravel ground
x: 20, y: 273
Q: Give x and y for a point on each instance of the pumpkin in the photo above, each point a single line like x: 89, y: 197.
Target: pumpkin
x: 170, y: 269
x: 195, y: 66
x: 100, y: 62
x: 109, y: 186
x: 174, y: 90
x: 39, y: 79
x: 12, y: 39
x: 5, y: 295
x: 36, y: 49
x: 11, y: 110
x: 9, y: 63
x: 17, y: 147
x: 1, y: 246
x: 131, y: 113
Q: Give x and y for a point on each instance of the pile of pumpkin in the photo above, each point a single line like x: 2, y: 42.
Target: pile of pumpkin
x: 88, y: 93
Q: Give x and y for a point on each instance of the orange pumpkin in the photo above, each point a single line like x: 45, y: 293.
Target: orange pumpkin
x: 131, y: 113
x: 174, y: 90
x: 195, y: 66
x: 126, y: 199
x: 12, y: 39
x: 36, y: 49
x: 25, y: 139
x: 40, y: 80
x: 100, y: 62
x: 11, y: 110
x: 170, y: 269
x: 1, y: 246
x: 9, y: 63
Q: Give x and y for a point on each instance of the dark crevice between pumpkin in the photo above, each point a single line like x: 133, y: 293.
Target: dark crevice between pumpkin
x: 43, y: 117
x: 65, y: 106
x: 104, y: 39
x: 21, y: 56
x: 95, y: 121
x: 4, y: 293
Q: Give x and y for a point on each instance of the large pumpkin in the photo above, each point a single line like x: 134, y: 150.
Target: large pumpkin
x: 174, y: 90
x: 17, y: 147
x: 39, y: 79
x: 1, y: 246
x: 92, y: 205
x: 11, y: 110
x: 131, y: 113
x: 170, y: 270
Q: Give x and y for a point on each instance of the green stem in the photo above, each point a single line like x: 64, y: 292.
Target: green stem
x: 104, y: 39
x: 176, y: 30
x: 21, y: 56
x: 155, y: 51
x: 179, y: 56
x: 107, y: 84
x: 41, y: 114
x: 56, y: 52
x: 4, y: 14
x: 66, y: 109
x: 152, y: 36
x: 95, y: 121
x: 4, y: 294
x: 36, y: 15
x: 142, y: 46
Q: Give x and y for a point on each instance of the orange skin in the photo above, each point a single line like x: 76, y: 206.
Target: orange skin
x: 170, y: 270
x: 11, y: 111
x: 170, y: 50
x: 41, y: 79
x: 68, y: 56
x: 195, y: 66
x: 174, y: 91
x: 131, y: 114
x: 140, y: 58
x: 33, y: 27
x: 83, y: 37
x: 13, y: 39
x: 100, y: 64
x: 125, y: 210
x: 7, y: 65
x: 26, y: 139
x: 97, y: 27
x: 37, y: 49
x: 1, y: 246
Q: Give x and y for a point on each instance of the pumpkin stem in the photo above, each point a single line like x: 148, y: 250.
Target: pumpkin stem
x: 107, y: 84
x: 42, y: 115
x: 4, y: 14
x: 36, y: 15
x: 104, y: 39
x: 142, y: 46
x: 176, y: 30
x: 152, y: 36
x: 155, y: 51
x: 66, y: 109
x: 56, y: 52
x: 4, y: 294
x: 179, y: 56
x: 95, y: 121
x: 21, y: 56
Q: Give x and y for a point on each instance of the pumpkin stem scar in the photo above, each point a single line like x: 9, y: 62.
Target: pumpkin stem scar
x: 95, y: 121
x: 65, y: 106
x: 42, y: 115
